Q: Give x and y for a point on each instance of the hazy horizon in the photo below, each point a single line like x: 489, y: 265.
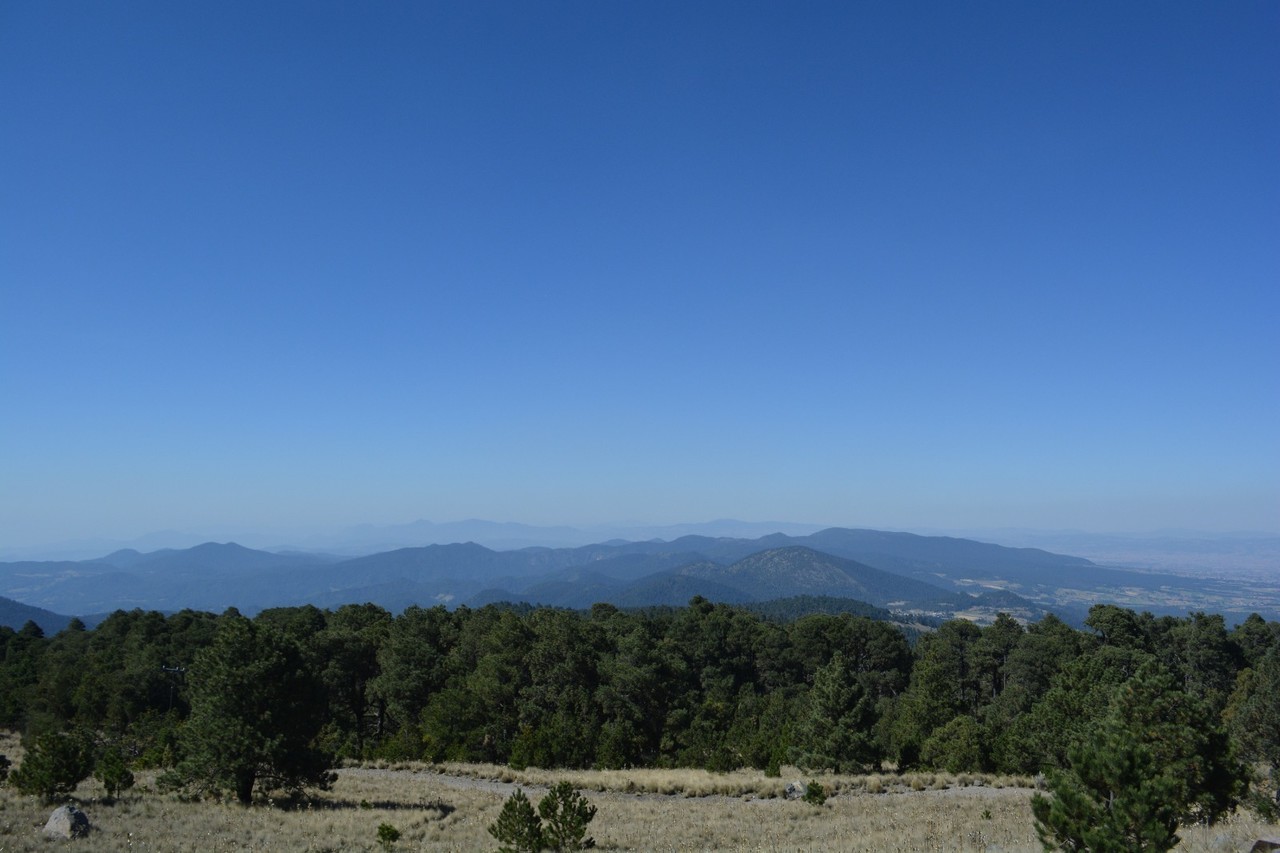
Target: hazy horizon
x: 912, y: 267
x: 1170, y: 549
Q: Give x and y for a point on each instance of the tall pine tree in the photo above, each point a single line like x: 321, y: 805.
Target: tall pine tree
x: 836, y: 729
x: 255, y: 713
x: 1156, y: 760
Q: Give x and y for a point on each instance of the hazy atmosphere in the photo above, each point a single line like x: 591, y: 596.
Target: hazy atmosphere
x: 290, y: 266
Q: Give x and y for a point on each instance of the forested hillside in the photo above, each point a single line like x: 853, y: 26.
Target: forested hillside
x: 15, y: 613
x: 704, y: 685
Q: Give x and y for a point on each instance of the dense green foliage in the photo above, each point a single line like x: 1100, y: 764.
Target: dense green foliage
x: 518, y: 828
x: 1158, y: 759
x: 240, y: 705
x: 560, y: 822
x: 565, y: 814
x: 388, y: 835
x: 113, y: 771
x: 54, y: 765
x: 1253, y: 717
x: 814, y: 793
x: 256, y: 711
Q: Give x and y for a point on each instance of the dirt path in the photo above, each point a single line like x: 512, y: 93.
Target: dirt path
x: 465, y: 782
x: 448, y: 780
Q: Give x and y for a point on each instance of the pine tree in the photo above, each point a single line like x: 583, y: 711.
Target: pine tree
x: 1254, y: 717
x: 113, y: 771
x: 566, y: 814
x: 255, y: 714
x: 562, y: 826
x: 518, y: 828
x: 54, y: 765
x: 1113, y: 798
x: 1156, y: 761
x: 836, y: 731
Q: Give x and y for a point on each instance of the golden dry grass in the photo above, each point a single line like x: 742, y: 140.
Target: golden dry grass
x: 689, y: 782
x: 448, y: 807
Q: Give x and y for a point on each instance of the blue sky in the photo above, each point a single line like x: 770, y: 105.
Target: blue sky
x: 908, y: 265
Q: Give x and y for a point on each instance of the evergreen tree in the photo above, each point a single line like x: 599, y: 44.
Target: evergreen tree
x: 559, y: 721
x: 347, y: 664
x: 411, y: 666
x: 1114, y: 798
x: 112, y: 770
x: 1254, y: 637
x: 22, y: 654
x: 565, y: 814
x: 255, y: 714
x: 836, y: 729
x: 1254, y: 719
x: 54, y: 765
x: 943, y: 686
x: 1200, y: 653
x: 989, y: 656
x: 1155, y: 761
x: 1073, y: 706
x: 518, y: 828
x: 634, y: 691
x: 956, y: 747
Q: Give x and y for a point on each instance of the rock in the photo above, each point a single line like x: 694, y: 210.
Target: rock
x: 67, y: 822
x: 1265, y: 845
x: 794, y: 790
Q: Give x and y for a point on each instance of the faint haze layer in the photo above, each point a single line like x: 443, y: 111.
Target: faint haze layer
x: 295, y: 266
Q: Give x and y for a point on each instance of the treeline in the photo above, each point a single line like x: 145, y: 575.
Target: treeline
x: 707, y: 685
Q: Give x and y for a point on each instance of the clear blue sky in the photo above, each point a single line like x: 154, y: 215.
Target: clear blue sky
x: 911, y: 265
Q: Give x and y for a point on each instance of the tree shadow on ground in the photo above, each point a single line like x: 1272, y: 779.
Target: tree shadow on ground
x: 440, y: 807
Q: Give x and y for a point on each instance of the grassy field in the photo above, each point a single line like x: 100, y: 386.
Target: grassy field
x: 448, y: 807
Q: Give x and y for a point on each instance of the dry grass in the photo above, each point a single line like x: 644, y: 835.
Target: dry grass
x: 449, y: 807
x: 689, y: 782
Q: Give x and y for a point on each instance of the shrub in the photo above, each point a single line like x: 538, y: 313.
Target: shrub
x: 55, y: 765
x: 955, y: 747
x: 517, y: 828
x: 814, y: 793
x: 566, y: 814
x: 388, y: 835
x: 113, y: 772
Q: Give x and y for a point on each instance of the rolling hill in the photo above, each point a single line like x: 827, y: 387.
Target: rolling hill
x: 15, y: 614
x: 768, y: 575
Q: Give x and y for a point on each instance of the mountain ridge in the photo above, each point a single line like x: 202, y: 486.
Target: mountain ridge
x: 15, y: 614
x: 955, y: 573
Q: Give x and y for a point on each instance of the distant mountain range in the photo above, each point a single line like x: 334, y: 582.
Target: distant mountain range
x: 932, y: 575
x: 361, y: 539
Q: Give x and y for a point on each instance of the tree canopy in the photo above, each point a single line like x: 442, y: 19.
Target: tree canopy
x: 237, y: 706
x: 256, y: 711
